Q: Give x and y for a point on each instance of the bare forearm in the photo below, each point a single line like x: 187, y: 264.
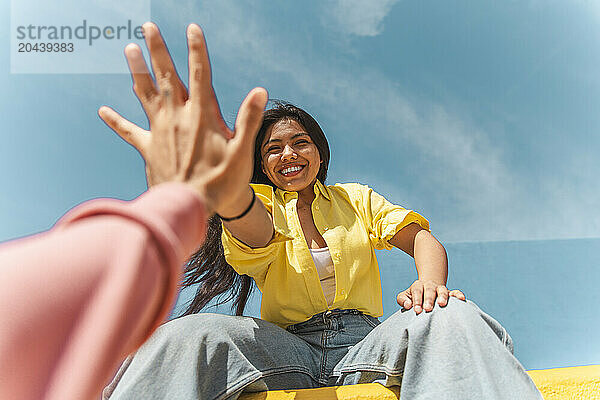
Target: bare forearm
x: 255, y: 228
x: 430, y: 258
x: 432, y: 267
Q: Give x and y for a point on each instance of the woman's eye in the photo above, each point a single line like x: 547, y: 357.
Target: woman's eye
x: 302, y: 141
x: 272, y: 149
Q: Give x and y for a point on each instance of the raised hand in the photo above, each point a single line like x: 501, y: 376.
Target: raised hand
x: 422, y: 296
x: 188, y: 140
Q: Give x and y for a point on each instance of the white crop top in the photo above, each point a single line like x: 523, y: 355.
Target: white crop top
x: 326, y: 271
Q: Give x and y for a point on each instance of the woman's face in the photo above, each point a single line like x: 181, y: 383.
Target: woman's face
x: 290, y: 158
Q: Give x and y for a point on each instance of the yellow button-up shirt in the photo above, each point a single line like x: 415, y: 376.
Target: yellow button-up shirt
x: 353, y: 220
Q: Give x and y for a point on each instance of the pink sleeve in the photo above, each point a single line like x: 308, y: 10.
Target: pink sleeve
x: 75, y: 300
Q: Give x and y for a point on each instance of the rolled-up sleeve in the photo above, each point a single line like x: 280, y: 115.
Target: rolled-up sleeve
x: 248, y: 260
x: 385, y: 219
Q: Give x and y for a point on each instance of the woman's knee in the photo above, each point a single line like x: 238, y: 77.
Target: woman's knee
x: 463, y: 318
x: 457, y: 306
x: 467, y: 319
x: 454, y: 312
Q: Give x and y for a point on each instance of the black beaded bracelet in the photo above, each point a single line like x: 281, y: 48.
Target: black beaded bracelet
x: 245, y: 212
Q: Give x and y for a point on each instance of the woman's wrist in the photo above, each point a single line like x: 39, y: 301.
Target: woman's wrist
x: 244, y: 213
x: 238, y: 208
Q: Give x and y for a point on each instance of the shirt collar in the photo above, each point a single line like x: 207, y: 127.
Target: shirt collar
x: 319, y: 188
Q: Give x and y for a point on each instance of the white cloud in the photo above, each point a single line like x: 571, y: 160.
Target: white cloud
x: 356, y: 17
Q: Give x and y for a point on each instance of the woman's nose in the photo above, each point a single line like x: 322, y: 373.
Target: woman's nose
x: 288, y: 153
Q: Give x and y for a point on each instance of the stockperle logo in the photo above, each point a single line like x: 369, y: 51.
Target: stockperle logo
x: 75, y: 37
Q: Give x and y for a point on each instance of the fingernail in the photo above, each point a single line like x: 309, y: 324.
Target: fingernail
x: 133, y: 50
x: 146, y: 27
x: 193, y: 30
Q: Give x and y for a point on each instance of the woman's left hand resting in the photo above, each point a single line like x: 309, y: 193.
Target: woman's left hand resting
x: 422, y: 295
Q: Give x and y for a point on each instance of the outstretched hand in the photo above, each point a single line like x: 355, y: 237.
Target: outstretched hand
x: 188, y: 140
x: 422, y: 296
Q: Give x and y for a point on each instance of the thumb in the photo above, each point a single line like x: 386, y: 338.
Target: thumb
x: 249, y: 118
x: 458, y: 294
x: 404, y: 300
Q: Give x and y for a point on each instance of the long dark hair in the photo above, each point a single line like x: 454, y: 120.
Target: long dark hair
x: 207, y: 267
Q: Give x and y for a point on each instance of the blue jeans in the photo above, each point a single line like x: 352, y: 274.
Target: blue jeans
x: 453, y: 352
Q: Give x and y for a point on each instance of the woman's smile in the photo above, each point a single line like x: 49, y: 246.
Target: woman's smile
x: 291, y: 170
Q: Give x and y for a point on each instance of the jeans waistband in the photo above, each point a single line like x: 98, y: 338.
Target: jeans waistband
x: 321, y: 318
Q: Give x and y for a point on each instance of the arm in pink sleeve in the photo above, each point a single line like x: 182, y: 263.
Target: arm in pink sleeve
x: 75, y: 300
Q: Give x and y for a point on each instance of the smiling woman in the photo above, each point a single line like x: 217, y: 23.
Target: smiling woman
x: 310, y: 249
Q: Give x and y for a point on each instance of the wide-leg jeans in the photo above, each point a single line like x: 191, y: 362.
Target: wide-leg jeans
x: 452, y: 352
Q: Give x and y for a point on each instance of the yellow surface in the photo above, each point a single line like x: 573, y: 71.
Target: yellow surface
x: 574, y: 383
x: 366, y: 391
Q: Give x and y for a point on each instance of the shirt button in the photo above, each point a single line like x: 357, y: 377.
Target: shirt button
x: 316, y: 207
x: 325, y: 228
x: 342, y: 291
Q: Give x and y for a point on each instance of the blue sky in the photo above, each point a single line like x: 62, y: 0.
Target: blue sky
x: 483, y: 116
